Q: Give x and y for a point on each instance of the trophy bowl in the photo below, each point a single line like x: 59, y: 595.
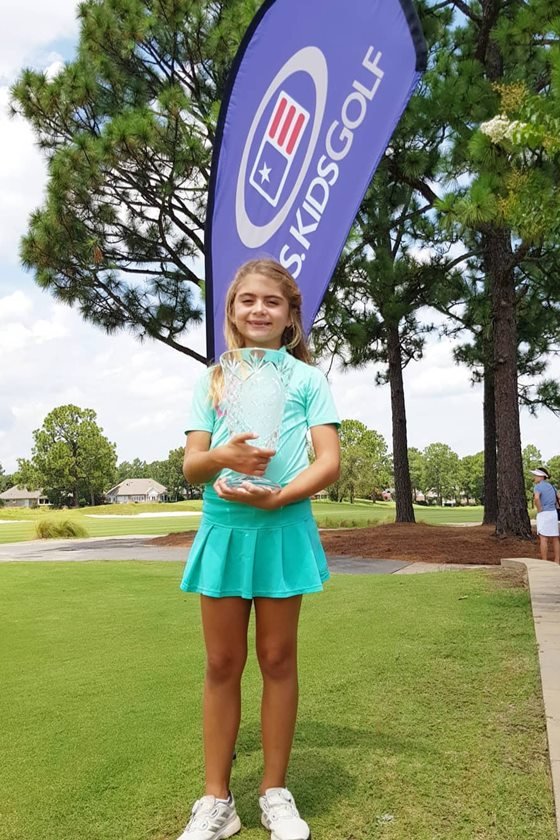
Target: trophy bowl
x: 253, y: 400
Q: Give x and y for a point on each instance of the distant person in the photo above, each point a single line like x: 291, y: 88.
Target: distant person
x: 257, y: 548
x: 546, y: 503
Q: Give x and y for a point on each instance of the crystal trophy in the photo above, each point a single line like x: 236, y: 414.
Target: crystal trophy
x: 254, y: 396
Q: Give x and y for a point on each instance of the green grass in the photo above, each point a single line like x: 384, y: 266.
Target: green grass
x: 362, y: 513
x: 16, y: 531
x: 328, y: 515
x: 446, y: 515
x: 119, y: 510
x: 420, y: 701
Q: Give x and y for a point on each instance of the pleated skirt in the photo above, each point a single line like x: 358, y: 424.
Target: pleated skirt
x: 244, y: 552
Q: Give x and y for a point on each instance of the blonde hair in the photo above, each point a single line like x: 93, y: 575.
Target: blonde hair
x: 293, y: 338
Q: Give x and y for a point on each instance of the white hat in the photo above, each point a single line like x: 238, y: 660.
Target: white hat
x: 539, y: 472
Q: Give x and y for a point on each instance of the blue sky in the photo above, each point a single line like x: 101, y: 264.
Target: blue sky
x: 49, y: 356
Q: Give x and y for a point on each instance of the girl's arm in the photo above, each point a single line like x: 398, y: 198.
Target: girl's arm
x: 318, y: 475
x: 202, y: 464
x: 324, y: 470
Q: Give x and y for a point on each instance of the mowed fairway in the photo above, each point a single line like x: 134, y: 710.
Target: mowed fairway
x: 421, y: 716
x: 104, y: 521
x: 19, y: 524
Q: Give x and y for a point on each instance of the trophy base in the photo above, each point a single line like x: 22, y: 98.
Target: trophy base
x: 235, y: 482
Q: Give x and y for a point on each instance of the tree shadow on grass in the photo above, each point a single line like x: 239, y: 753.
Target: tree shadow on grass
x: 320, y: 735
x: 313, y: 779
x: 321, y: 767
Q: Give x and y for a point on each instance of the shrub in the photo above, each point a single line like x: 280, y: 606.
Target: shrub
x: 49, y: 529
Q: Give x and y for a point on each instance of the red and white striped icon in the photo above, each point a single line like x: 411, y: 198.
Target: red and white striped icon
x: 278, y: 148
x: 286, y: 125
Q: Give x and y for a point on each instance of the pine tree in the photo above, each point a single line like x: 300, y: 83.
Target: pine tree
x: 127, y: 129
x: 497, y: 46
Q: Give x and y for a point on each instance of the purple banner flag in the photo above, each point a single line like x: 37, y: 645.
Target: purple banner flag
x: 315, y: 93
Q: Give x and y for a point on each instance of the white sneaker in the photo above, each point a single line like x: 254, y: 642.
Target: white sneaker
x: 212, y: 819
x: 281, y: 817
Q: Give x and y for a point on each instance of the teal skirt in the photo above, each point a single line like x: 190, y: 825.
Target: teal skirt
x: 241, y: 551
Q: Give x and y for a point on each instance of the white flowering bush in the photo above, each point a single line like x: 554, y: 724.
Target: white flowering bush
x: 501, y: 128
x: 540, y: 132
x: 496, y: 128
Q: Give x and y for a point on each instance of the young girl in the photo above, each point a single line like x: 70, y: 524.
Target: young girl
x: 257, y: 546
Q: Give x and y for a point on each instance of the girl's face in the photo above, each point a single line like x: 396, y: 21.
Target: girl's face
x: 261, y: 313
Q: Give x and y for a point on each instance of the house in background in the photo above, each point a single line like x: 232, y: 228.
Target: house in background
x: 429, y: 498
x: 17, y: 496
x: 137, y: 490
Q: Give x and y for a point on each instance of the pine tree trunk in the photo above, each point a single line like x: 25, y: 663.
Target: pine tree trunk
x: 513, y: 518
x: 403, y: 486
x: 490, y: 473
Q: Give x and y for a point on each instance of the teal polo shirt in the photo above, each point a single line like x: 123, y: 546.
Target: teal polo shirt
x: 308, y: 403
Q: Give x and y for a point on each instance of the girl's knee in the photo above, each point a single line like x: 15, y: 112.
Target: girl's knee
x: 224, y: 666
x: 277, y: 661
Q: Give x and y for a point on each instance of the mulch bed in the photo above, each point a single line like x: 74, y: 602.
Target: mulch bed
x: 427, y: 543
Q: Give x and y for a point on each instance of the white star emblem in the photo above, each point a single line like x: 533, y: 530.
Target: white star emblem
x: 264, y: 173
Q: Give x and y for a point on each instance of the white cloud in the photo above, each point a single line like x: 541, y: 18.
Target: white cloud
x: 434, y: 413
x: 30, y: 28
x: 156, y: 383
x: 437, y: 381
x: 14, y: 306
x: 22, y: 179
x: 21, y: 330
x: 139, y: 391
x: 159, y: 420
x: 27, y: 36
x: 54, y: 66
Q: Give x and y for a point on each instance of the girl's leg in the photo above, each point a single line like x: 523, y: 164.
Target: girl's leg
x: 544, y: 547
x: 225, y: 622
x: 556, y: 546
x: 276, y: 628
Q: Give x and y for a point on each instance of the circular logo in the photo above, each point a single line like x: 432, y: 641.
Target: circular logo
x: 309, y: 60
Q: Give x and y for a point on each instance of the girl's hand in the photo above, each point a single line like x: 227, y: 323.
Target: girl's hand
x: 240, y: 456
x: 249, y: 494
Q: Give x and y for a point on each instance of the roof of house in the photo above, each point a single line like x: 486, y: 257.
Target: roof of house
x: 136, y: 487
x: 18, y: 492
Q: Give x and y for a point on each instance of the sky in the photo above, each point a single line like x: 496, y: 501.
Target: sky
x: 141, y: 391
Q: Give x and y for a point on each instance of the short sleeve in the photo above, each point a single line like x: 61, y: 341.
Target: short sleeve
x: 201, y: 414
x: 320, y: 409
